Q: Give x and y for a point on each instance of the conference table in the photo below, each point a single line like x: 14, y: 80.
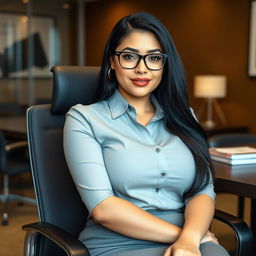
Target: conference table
x: 239, y: 180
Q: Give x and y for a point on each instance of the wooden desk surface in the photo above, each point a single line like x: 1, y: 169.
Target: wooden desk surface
x: 239, y: 180
x: 236, y: 179
x: 14, y: 127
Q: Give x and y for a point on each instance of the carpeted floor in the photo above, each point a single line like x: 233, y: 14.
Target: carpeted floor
x: 12, y: 236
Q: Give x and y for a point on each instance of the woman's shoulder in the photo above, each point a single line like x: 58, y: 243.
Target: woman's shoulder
x: 98, y: 108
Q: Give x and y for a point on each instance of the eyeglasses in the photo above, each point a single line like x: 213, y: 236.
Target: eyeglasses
x: 130, y: 60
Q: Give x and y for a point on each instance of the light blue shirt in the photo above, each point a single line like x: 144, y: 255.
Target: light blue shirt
x: 110, y: 154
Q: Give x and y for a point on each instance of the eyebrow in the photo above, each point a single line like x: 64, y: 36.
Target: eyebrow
x: 135, y: 50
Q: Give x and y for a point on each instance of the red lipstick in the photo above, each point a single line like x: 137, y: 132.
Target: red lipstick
x: 140, y: 81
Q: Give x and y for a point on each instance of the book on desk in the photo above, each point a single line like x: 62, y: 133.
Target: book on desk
x: 234, y: 155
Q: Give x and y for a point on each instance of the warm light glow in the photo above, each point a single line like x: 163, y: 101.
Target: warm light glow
x: 25, y: 1
x: 24, y: 19
x: 66, y: 6
x: 210, y: 86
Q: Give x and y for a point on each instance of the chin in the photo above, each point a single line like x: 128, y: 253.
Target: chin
x: 141, y: 94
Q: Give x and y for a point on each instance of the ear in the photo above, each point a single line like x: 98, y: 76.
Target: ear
x: 112, y: 62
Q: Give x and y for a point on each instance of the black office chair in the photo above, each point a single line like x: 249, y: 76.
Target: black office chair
x: 232, y: 140
x: 62, y: 214
x: 13, y: 161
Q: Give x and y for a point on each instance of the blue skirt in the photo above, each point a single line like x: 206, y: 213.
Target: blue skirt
x: 101, y: 241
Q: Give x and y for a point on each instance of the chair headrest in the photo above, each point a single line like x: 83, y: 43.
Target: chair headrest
x: 73, y: 85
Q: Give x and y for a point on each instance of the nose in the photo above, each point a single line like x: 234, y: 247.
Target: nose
x: 141, y: 67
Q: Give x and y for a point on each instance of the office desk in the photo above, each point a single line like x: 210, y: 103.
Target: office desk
x: 239, y: 180
x: 14, y: 127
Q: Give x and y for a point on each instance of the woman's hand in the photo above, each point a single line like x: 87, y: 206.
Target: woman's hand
x: 182, y: 248
x: 209, y: 237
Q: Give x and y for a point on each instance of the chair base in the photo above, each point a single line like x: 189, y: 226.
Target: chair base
x: 5, y: 219
x: 6, y: 198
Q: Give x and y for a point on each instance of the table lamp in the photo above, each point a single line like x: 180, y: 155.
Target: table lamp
x: 210, y: 87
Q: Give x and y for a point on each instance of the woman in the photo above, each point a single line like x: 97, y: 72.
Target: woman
x: 138, y: 157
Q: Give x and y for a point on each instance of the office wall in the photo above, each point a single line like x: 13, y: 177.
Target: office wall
x: 211, y: 36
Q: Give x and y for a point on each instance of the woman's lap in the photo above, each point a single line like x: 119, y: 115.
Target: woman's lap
x: 102, y: 242
x: 207, y: 249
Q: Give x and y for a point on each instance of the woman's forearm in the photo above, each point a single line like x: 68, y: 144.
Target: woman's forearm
x: 127, y: 219
x: 198, y: 217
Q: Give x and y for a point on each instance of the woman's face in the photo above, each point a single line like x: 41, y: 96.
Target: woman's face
x: 140, y: 81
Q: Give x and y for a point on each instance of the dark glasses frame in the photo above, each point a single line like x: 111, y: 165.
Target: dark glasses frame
x: 118, y: 53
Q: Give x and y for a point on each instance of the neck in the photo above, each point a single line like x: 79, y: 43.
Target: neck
x: 141, y: 104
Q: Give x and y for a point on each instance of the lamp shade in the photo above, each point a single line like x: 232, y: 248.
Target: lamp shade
x: 210, y: 86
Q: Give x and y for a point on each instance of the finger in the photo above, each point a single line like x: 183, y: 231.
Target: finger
x: 167, y: 252
x: 214, y: 237
x: 216, y: 240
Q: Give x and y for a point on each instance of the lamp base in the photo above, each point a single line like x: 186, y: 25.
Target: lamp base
x: 209, y: 124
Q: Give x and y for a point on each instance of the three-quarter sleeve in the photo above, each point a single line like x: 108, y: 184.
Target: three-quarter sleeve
x: 207, y: 190
x: 85, y: 160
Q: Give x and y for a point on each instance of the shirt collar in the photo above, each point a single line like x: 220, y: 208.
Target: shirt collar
x: 118, y: 105
x: 159, y: 111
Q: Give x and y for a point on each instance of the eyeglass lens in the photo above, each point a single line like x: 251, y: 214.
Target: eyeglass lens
x: 130, y: 60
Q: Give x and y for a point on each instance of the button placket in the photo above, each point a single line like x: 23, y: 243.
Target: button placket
x: 161, y: 170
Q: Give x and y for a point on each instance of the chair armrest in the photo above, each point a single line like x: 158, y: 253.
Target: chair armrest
x: 15, y: 145
x: 242, y: 231
x: 74, y: 247
x: 71, y: 245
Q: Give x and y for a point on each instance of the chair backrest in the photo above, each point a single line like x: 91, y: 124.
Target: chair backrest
x: 232, y: 139
x: 58, y: 200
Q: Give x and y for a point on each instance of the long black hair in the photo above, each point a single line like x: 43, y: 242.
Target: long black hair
x: 171, y: 93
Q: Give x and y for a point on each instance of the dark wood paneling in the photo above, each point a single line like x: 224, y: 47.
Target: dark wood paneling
x: 211, y: 36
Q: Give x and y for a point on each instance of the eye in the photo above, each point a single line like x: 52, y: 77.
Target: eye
x: 155, y: 58
x: 128, y: 56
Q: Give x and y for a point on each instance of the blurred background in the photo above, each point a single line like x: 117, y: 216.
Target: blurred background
x: 213, y: 37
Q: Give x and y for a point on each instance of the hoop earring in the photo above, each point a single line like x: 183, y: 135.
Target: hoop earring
x: 109, y: 74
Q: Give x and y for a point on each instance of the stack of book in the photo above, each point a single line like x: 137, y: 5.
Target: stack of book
x: 234, y: 155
